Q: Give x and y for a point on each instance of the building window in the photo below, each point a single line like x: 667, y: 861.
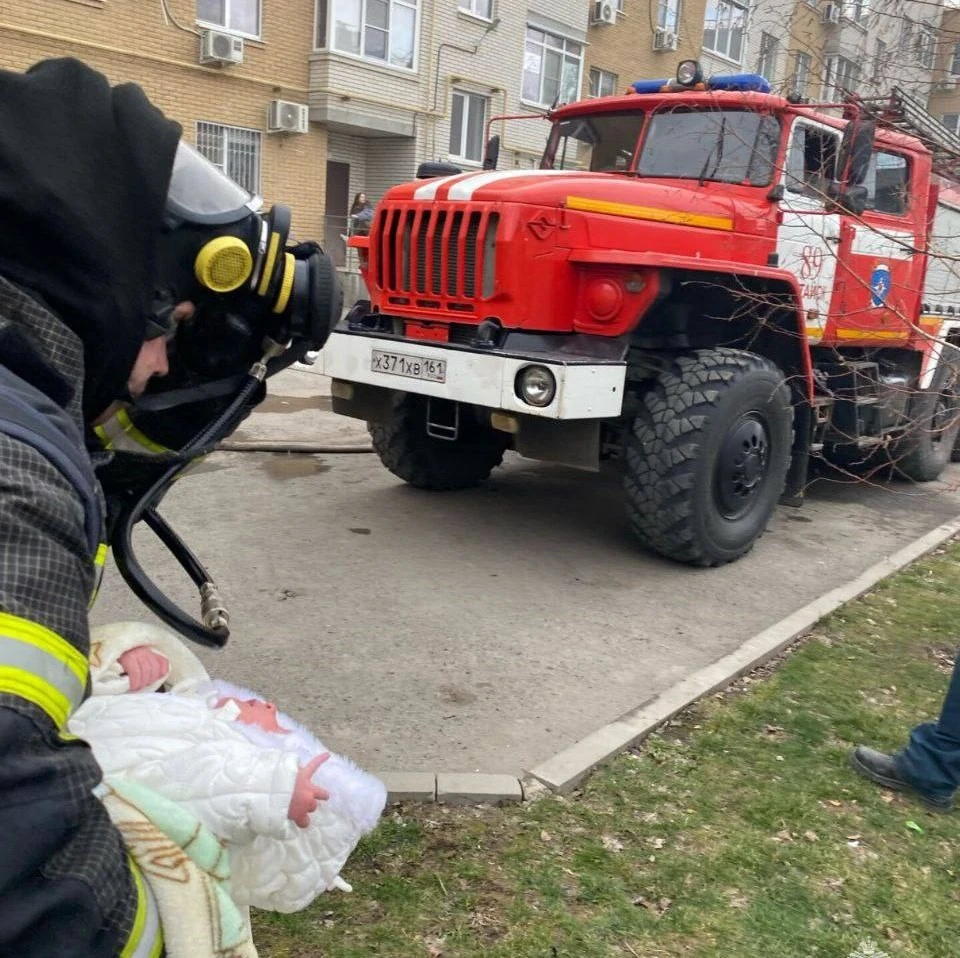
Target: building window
x: 723, y: 28
x: 767, y: 59
x: 619, y: 6
x: 238, y: 16
x: 235, y: 150
x: 879, y: 62
x: 801, y: 74
x: 380, y: 30
x: 906, y: 34
x: 840, y: 79
x: 552, y: 67
x: 856, y: 10
x: 955, y: 61
x: 951, y: 121
x: 602, y: 82
x: 668, y: 15
x: 924, y: 47
x: 468, y: 114
x: 479, y: 8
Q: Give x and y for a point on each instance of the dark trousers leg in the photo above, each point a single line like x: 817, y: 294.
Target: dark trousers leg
x: 931, y: 760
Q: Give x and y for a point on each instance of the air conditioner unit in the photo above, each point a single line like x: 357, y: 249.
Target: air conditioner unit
x: 217, y: 47
x: 664, y: 39
x: 831, y: 13
x: 286, y: 117
x: 604, y: 11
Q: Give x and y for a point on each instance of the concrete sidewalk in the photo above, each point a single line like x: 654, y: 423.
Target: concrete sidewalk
x: 483, y: 631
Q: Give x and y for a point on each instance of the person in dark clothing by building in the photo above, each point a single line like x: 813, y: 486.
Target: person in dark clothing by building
x: 361, y: 215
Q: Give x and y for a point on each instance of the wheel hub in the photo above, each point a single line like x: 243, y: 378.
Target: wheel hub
x: 741, y: 466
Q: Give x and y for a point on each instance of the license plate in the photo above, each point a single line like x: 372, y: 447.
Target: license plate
x: 413, y: 367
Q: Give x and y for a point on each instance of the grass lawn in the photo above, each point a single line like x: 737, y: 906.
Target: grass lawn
x: 736, y: 831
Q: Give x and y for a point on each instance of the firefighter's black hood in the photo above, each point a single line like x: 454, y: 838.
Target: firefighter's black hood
x: 84, y: 172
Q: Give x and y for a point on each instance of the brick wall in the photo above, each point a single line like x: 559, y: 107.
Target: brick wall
x: 130, y: 40
x: 626, y: 47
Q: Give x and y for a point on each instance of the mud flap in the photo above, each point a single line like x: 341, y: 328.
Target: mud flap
x: 796, y: 483
x: 569, y: 442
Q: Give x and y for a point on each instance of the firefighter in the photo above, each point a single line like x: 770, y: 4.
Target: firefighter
x: 84, y: 174
x: 117, y: 240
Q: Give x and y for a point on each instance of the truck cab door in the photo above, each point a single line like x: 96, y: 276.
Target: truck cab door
x: 808, y: 236
x: 881, y: 263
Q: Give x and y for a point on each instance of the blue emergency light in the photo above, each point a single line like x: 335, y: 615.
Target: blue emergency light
x: 690, y: 77
x: 745, y: 82
x: 648, y: 86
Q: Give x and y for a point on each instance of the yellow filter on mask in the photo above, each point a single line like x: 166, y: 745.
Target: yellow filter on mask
x: 223, y: 264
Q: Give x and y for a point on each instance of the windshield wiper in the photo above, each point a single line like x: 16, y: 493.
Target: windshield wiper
x: 716, y: 148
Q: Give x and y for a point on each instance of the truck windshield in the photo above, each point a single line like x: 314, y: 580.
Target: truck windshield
x: 603, y: 143
x: 729, y: 146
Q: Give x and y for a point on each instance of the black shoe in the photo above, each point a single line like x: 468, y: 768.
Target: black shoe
x: 881, y: 768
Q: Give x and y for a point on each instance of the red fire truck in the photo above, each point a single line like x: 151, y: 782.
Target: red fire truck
x: 704, y: 281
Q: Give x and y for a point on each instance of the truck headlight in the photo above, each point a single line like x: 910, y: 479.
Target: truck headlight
x: 536, y: 385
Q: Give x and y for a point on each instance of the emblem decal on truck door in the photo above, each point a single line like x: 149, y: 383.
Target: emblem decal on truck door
x: 880, y: 284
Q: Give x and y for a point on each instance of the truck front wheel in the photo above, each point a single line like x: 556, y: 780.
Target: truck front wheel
x: 427, y: 462
x: 707, y: 456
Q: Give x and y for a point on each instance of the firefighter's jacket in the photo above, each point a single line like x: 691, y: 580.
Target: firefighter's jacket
x: 67, y: 886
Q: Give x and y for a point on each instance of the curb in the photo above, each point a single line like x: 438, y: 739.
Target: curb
x: 565, y: 770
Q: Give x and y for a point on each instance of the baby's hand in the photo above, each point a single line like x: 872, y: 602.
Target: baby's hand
x: 306, y: 795
x: 143, y: 666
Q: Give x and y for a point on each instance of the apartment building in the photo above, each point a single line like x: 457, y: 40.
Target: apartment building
x: 633, y: 39
x: 224, y: 107
x: 945, y: 95
x: 818, y: 49
x: 398, y: 82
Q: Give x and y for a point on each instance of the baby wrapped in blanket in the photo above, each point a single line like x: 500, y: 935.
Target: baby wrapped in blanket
x: 289, y: 812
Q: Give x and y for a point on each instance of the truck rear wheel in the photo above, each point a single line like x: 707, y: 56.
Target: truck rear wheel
x: 424, y: 461
x: 707, y: 456
x: 933, y: 438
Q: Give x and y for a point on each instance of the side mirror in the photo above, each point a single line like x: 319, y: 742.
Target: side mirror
x: 430, y: 169
x: 850, y: 199
x: 492, y: 153
x: 855, y: 150
x: 854, y: 199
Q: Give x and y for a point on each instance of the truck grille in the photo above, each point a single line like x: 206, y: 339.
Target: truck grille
x: 435, y: 257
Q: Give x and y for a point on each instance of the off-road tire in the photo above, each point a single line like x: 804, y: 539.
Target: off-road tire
x: 410, y: 454
x: 707, y: 409
x: 925, y: 451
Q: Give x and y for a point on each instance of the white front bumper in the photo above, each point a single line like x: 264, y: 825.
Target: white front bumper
x: 584, y: 390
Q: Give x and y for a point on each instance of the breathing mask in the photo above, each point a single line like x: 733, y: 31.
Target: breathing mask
x: 260, y: 303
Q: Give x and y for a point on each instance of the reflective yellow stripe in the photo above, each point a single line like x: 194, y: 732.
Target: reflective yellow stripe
x: 146, y: 940
x: 123, y: 417
x: 140, y: 919
x: 269, y: 264
x: 46, y: 640
x: 655, y: 213
x: 121, y: 434
x: 847, y: 333
x: 99, y: 562
x: 43, y: 694
x: 41, y: 667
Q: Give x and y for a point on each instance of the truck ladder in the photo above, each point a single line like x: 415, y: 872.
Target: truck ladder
x: 904, y: 112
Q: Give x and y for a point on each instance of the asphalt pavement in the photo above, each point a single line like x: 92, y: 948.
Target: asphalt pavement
x: 483, y: 630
